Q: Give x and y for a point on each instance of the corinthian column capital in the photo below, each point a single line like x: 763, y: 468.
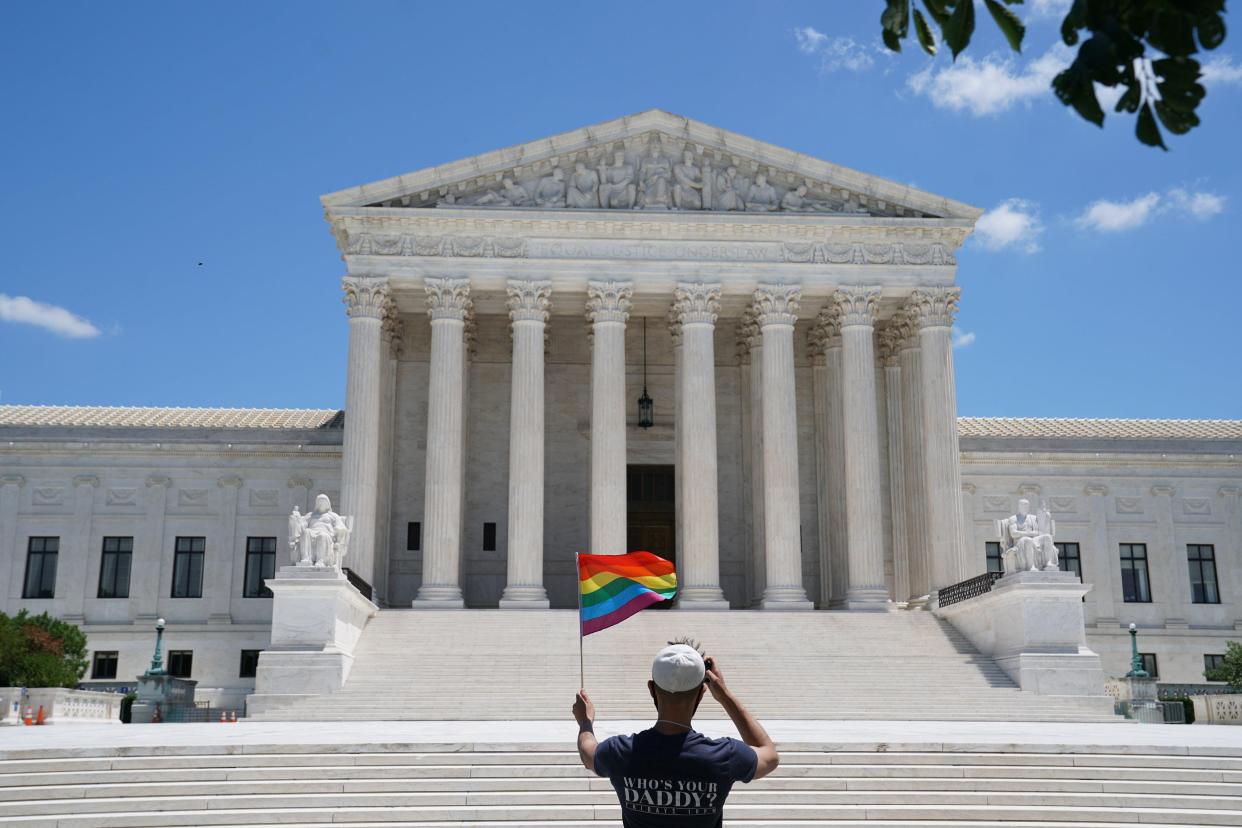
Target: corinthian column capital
x: 890, y: 338
x: 696, y: 303
x: 748, y: 335
x: 857, y: 304
x: 825, y: 333
x: 674, y: 326
x: 933, y: 307
x: 609, y: 301
x: 529, y: 301
x: 777, y: 304
x: 366, y: 297
x: 448, y: 298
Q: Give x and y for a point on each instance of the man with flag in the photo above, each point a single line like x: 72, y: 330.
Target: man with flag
x: 670, y: 774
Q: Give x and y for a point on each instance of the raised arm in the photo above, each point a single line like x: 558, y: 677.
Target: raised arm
x: 748, y: 726
x: 584, y: 713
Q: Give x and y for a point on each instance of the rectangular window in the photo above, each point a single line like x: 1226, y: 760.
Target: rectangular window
x: 413, y: 536
x: 1211, y: 661
x: 41, y: 568
x: 180, y: 663
x: 118, y: 554
x: 260, y: 565
x: 1202, y: 560
x: 249, y: 663
x: 103, y: 664
x: 1135, y: 586
x: 188, y: 568
x: 992, y: 550
x: 1069, y: 558
x: 489, y: 537
x: 1149, y: 664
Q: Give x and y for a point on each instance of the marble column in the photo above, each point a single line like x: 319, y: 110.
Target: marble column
x: 775, y: 310
x: 367, y: 301
x: 74, y: 560
x: 932, y: 311
x: 914, y: 459
x: 697, y: 305
x: 890, y: 357
x: 868, y: 588
x: 819, y: 392
x: 393, y: 337
x: 448, y: 304
x: 529, y: 302
x: 753, y: 337
x: 150, y: 559
x: 826, y: 345
x: 222, y: 553
x: 608, y: 309
x: 10, y: 498
x: 679, y: 518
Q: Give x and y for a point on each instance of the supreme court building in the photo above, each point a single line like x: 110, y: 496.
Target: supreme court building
x: 787, y: 320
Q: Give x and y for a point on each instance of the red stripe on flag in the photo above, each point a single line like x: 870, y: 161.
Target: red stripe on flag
x: 628, y: 565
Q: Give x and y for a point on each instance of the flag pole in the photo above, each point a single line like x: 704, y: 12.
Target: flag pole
x: 578, y: 589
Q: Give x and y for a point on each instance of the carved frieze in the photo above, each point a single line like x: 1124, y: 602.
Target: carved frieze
x: 191, y: 497
x: 264, y: 498
x: 121, y: 496
x: 47, y: 495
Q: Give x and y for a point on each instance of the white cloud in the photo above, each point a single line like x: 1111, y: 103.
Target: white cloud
x: 962, y: 338
x: 991, y: 85
x: 1044, y: 9
x: 1012, y: 223
x: 834, y: 52
x: 1115, y: 216
x: 56, y: 319
x: 1221, y: 71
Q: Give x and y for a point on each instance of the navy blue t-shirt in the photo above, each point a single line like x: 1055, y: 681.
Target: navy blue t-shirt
x: 680, y: 779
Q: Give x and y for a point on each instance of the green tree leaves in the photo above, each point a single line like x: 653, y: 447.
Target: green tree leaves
x: 1230, y: 670
x: 40, y: 651
x: 1145, y: 47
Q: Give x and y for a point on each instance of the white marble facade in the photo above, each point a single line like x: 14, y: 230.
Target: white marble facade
x: 798, y: 351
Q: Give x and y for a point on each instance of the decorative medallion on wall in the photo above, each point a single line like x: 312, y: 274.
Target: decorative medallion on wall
x: 1129, y: 505
x: 1063, y: 504
x: 47, y: 496
x: 191, y: 497
x: 127, y: 496
x: 1196, y: 506
x: 262, y: 498
x: 996, y: 503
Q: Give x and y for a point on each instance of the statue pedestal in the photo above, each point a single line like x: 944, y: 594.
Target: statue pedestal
x: 163, y: 690
x: 317, y: 619
x: 1142, y: 705
x: 1031, y: 624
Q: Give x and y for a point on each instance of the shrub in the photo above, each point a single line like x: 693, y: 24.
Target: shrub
x: 127, y: 706
x: 40, y: 651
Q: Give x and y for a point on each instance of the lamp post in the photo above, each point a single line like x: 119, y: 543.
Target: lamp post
x: 645, y: 405
x: 1136, y: 660
x: 157, y: 660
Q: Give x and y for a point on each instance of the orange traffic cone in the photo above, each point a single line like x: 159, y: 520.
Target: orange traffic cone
x: 233, y: 717
x: 28, y: 719
x: 158, y: 715
x: 40, y: 719
x: 223, y: 717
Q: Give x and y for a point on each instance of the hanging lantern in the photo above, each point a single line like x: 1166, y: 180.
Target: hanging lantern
x: 645, y: 403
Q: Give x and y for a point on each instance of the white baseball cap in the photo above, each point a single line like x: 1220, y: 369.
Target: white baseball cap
x: 678, y: 668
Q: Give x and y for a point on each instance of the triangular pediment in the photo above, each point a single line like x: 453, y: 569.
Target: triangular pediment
x: 650, y: 161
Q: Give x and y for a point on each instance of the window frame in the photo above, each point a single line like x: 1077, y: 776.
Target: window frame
x: 1152, y: 666
x: 1210, y: 560
x: 414, y: 536
x: 241, y: 667
x: 42, y: 591
x: 489, y: 536
x: 1140, y: 597
x: 1219, y: 657
x: 186, y: 557
x: 112, y: 656
x: 175, y: 656
x: 266, y: 561
x: 988, y: 557
x: 117, y: 553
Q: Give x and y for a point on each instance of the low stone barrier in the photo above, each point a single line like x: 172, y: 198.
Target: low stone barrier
x: 60, y: 705
x: 1222, y: 709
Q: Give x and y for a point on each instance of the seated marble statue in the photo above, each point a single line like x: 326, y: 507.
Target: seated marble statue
x: 727, y: 195
x: 616, y: 184
x: 583, y: 190
x: 761, y: 197
x: 551, y: 190
x: 510, y: 194
x: 654, y: 180
x: 688, y: 184
x: 1026, y: 540
x: 319, y: 538
x: 796, y: 201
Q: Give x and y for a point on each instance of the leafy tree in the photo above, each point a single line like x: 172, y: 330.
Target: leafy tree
x: 40, y: 651
x: 1115, y: 53
x: 1230, y: 669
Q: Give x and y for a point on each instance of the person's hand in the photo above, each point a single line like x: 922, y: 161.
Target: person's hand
x: 584, y: 709
x: 715, y: 679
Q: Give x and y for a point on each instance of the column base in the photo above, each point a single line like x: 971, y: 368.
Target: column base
x: 873, y: 599
x: 524, y: 597
x: 702, y: 598
x: 438, y: 597
x: 785, y: 598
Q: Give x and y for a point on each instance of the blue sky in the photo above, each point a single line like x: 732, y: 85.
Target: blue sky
x: 144, y: 138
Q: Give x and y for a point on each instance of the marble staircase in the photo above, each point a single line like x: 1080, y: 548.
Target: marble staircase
x: 523, y: 664
x: 529, y: 784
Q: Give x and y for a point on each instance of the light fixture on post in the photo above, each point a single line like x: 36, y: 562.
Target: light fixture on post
x: 645, y: 404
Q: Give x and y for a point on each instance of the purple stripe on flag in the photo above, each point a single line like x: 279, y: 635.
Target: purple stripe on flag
x: 621, y: 613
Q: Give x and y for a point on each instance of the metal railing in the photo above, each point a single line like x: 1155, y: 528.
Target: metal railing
x: 359, y: 584
x: 969, y: 588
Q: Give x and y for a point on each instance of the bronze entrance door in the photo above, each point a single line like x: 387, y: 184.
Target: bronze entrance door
x: 651, y: 513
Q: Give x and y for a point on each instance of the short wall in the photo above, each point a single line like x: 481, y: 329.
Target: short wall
x: 1225, y: 709
x: 61, y: 705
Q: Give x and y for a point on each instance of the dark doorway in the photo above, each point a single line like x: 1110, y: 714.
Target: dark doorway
x: 651, y: 513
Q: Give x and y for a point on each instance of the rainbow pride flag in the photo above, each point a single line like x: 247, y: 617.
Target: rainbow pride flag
x: 614, y: 587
